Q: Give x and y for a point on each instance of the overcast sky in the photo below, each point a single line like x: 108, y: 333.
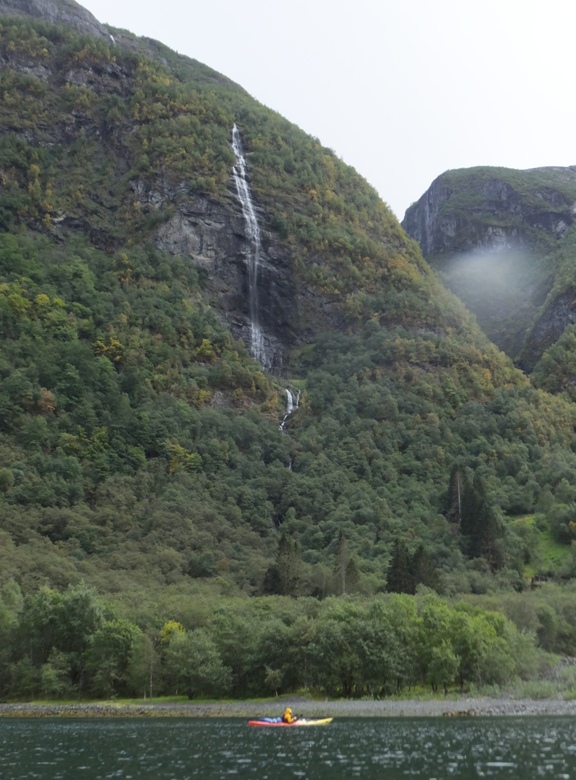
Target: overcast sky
x: 400, y: 89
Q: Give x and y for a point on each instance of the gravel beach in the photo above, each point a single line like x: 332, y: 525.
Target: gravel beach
x: 449, y: 707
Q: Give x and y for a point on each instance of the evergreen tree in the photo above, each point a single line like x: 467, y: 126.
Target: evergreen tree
x: 342, y: 562
x: 423, y: 570
x: 479, y: 525
x: 456, y: 489
x: 283, y: 575
x: 352, y: 576
x: 400, y: 577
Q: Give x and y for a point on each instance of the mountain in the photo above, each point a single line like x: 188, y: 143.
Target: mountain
x: 66, y: 12
x: 177, y: 260
x: 504, y: 242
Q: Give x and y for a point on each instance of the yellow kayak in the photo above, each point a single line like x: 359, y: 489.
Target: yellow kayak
x: 299, y: 722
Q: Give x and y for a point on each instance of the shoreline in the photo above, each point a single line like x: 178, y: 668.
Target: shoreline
x: 409, y: 708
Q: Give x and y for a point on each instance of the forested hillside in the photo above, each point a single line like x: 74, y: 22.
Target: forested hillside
x: 141, y: 447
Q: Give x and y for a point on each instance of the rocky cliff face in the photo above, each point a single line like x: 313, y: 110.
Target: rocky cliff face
x: 482, y: 208
x: 494, y: 234
x: 56, y: 12
x: 213, y: 235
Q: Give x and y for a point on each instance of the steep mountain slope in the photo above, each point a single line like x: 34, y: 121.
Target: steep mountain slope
x: 140, y: 441
x: 503, y: 242
x: 160, y: 135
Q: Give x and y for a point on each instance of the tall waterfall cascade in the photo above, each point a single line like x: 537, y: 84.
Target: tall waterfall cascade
x: 257, y: 345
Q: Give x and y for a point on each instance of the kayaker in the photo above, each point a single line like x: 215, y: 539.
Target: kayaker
x: 288, y: 717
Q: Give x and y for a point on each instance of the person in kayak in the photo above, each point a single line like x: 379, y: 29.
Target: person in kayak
x: 288, y: 717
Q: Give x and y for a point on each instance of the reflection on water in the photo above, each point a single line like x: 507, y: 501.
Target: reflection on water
x: 177, y: 749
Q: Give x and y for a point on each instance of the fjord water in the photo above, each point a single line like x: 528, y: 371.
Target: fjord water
x: 177, y: 749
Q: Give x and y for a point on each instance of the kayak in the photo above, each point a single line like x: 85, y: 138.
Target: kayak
x: 299, y: 722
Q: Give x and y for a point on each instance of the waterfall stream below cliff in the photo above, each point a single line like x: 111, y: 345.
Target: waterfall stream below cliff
x: 292, y: 401
x: 257, y: 345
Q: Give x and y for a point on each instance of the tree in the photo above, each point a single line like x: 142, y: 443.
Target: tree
x: 55, y: 676
x: 237, y: 637
x: 456, y: 490
x: 342, y: 563
x: 442, y: 666
x: 334, y: 660
x: 60, y: 621
x: 352, y: 575
x: 400, y: 577
x: 8, y: 623
x: 405, y: 622
x: 143, y: 666
x: 479, y: 525
x: 437, y: 655
x: 108, y: 657
x: 423, y: 570
x: 193, y: 666
x: 382, y: 656
x: 273, y: 679
x: 283, y: 576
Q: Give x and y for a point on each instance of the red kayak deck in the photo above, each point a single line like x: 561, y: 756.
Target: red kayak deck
x: 300, y: 722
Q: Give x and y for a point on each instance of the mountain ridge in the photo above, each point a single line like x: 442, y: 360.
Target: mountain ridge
x: 141, y: 441
x: 66, y: 12
x: 169, y: 521
x: 512, y: 226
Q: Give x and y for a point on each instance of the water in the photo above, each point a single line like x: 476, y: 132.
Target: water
x: 292, y: 402
x: 257, y: 346
x: 371, y: 749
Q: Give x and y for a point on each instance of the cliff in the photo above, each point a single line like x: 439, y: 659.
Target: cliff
x: 493, y: 208
x: 65, y: 12
x: 496, y: 236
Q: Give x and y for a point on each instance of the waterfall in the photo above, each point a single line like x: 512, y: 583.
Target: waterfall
x: 257, y: 346
x: 292, y: 402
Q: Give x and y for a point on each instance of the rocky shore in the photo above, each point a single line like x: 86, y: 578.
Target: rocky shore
x: 460, y: 707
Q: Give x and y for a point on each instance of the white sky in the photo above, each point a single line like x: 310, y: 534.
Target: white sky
x: 400, y: 89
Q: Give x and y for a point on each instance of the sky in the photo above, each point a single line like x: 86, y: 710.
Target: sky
x: 402, y: 90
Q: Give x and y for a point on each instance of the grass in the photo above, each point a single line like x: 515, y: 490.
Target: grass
x: 548, y: 555
x: 117, y: 702
x: 554, y: 554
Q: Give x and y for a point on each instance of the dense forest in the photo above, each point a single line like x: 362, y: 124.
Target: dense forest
x: 147, y: 485
x: 70, y: 643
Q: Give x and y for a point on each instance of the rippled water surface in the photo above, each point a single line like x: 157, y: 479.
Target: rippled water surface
x: 174, y: 749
